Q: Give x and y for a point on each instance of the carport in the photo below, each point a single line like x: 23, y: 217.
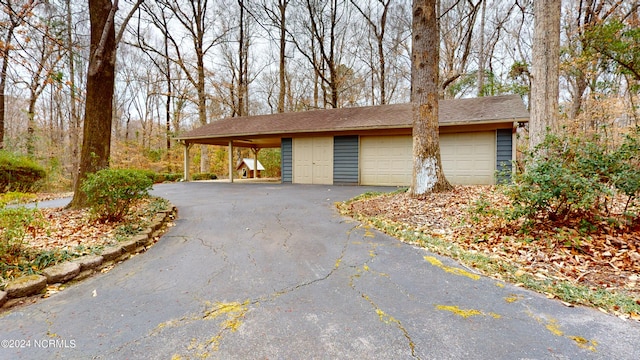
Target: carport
x: 372, y: 145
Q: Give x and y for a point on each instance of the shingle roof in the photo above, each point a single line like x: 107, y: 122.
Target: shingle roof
x: 496, y: 109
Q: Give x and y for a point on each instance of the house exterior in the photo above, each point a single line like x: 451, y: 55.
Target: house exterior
x: 373, y: 145
x: 246, y: 168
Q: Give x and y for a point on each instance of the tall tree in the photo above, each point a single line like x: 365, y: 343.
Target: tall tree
x: 74, y: 118
x: 326, y: 30
x: 193, y: 22
x: 40, y: 57
x: 96, y: 140
x: 161, y: 60
x: 275, y: 13
x: 428, y: 175
x: 545, y: 69
x: 18, y: 13
x: 282, y: 66
x: 233, y: 90
x: 457, y: 21
x: 481, y: 51
x: 378, y: 27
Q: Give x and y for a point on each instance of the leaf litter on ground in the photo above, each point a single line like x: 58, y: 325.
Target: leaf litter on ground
x: 605, y: 257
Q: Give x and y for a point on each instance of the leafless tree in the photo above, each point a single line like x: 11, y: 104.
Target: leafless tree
x: 193, y: 35
x: 321, y: 40
x: 16, y: 13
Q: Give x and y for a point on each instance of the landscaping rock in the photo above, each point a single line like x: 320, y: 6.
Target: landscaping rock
x: 89, y: 262
x: 3, y: 298
x: 123, y: 257
x: 129, y: 245
x: 111, y: 253
x: 107, y: 264
x: 62, y: 272
x: 146, y: 232
x: 141, y: 239
x: 84, y: 274
x: 157, y: 222
x: 26, y: 286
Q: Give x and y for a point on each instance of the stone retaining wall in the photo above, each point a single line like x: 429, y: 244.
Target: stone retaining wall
x: 85, y: 266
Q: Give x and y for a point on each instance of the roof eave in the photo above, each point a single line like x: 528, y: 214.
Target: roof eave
x: 485, y: 122
x: 350, y: 129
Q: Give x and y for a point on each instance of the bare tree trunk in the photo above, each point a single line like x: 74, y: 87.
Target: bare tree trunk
x: 241, y: 61
x: 96, y: 142
x: 378, y: 29
x: 427, y: 164
x: 17, y: 14
x: 168, y: 99
x: 545, y: 70
x: 3, y: 82
x: 202, y: 113
x: 481, y: 91
x: 74, y: 119
x: 282, y: 6
x: 31, y: 126
x: 580, y: 86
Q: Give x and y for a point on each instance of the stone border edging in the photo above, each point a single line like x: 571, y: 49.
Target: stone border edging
x: 85, y: 266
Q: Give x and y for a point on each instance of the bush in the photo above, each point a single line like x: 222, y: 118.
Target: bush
x: 110, y: 192
x: 577, y: 177
x: 19, y: 173
x: 204, y: 176
x: 14, y: 197
x: 13, y: 227
x: 167, y: 177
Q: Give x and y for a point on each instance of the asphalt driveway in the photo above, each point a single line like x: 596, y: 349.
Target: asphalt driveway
x: 271, y: 271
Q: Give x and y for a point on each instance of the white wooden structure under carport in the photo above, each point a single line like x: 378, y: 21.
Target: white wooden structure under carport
x: 373, y: 145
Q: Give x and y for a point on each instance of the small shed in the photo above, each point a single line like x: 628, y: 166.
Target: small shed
x: 245, y: 168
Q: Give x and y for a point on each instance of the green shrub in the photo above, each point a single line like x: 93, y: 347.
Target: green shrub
x: 576, y: 177
x: 110, y: 192
x: 19, y: 173
x: 204, y: 176
x: 168, y: 177
x: 14, y: 197
x: 14, y: 223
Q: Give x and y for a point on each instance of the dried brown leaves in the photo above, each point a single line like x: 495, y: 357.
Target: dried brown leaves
x: 608, y: 257
x: 59, y: 228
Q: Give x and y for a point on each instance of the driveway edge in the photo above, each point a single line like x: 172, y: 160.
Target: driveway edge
x: 81, y: 268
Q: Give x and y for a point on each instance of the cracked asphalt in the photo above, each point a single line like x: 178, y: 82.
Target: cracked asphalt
x: 272, y: 271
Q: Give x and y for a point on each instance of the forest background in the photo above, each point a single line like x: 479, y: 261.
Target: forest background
x: 182, y: 64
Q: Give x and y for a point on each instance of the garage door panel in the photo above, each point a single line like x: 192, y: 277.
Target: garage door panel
x: 386, y: 160
x: 467, y: 158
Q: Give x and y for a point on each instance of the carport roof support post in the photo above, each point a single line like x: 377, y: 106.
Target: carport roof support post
x: 255, y: 161
x: 187, y: 162
x: 230, y: 161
